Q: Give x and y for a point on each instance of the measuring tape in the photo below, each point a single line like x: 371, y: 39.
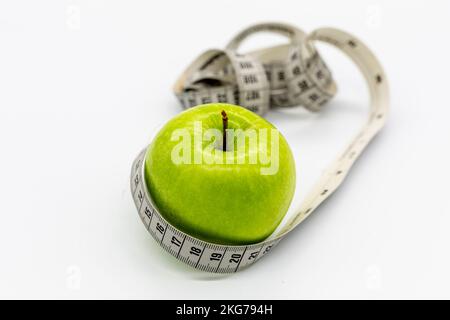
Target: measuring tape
x: 281, y: 76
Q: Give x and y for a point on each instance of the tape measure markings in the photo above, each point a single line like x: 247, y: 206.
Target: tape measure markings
x: 251, y: 72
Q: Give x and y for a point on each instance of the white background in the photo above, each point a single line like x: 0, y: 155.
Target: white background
x: 84, y: 83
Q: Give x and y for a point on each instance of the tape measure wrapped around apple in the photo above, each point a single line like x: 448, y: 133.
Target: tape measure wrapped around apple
x: 238, y: 168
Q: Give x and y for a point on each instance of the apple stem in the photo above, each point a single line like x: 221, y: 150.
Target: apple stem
x: 225, y: 127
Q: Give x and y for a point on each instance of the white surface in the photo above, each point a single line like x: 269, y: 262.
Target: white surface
x: 83, y: 84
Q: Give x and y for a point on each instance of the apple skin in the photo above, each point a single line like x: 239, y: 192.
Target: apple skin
x: 230, y: 204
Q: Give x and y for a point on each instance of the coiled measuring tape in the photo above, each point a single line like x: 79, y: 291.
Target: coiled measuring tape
x: 282, y: 76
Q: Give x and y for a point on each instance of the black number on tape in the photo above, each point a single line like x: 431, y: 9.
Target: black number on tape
x: 215, y: 256
x: 148, y: 212
x: 195, y: 251
x: 246, y: 65
x: 303, y: 85
x: 251, y: 78
x: 253, y: 255
x: 235, y: 257
x: 267, y: 249
x: 159, y: 227
x: 138, y: 164
x: 222, y: 97
x: 206, y: 100
x: 192, y: 102
x: 252, y: 95
x: 319, y: 74
x: 175, y: 241
x: 313, y: 97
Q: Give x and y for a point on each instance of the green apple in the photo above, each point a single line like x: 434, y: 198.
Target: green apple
x: 221, y: 173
